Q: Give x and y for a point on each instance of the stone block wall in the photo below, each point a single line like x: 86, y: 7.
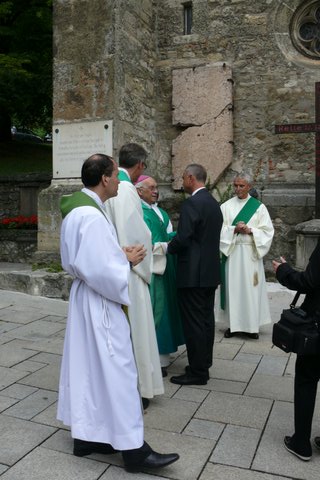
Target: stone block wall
x: 119, y: 64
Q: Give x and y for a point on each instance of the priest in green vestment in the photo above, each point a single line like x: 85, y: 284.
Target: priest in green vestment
x: 163, y: 288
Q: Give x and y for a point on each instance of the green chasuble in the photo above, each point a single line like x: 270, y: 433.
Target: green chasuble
x: 163, y: 289
x: 76, y: 199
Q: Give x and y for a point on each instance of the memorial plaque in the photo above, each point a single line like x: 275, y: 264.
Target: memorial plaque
x: 75, y: 142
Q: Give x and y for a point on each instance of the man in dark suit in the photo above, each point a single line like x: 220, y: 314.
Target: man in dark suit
x: 198, y: 272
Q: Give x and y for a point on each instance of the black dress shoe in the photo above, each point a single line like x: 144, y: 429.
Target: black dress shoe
x: 145, y: 403
x: 164, y: 371
x: 82, y: 448
x: 254, y: 336
x: 188, y: 380
x: 153, y: 460
x: 228, y: 333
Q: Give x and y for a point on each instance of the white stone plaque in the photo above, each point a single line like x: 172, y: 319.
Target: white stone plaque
x: 73, y: 143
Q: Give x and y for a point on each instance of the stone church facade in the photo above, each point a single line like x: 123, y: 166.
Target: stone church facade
x: 195, y: 81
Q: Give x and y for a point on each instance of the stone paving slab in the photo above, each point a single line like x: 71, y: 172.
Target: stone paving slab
x: 46, y: 378
x: 18, y: 391
x: 271, y: 386
x: 44, y: 464
x: 271, y: 365
x: 11, y: 356
x: 8, y: 376
x: 229, y: 370
x: 32, y: 405
x: 230, y: 429
x: 19, y: 437
x: 204, y: 429
x: 49, y: 417
x: 221, y: 472
x: 237, y: 446
x: 170, y: 414
x: 235, y: 409
x: 271, y: 455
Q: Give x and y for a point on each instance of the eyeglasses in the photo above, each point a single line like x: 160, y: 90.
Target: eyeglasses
x: 152, y: 188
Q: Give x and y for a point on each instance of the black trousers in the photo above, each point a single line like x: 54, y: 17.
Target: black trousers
x: 196, y: 305
x: 307, y: 375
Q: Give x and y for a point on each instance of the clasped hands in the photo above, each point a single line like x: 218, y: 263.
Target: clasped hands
x: 241, y: 227
x: 135, y: 254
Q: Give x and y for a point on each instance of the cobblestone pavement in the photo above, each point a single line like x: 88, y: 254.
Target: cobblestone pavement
x: 231, y: 428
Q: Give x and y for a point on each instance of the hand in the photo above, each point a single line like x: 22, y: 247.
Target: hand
x: 241, y: 227
x: 276, y: 264
x: 135, y: 253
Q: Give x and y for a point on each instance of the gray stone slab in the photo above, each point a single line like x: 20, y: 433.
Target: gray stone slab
x: 55, y: 319
x: 29, y: 366
x: 49, y: 417
x: 3, y: 468
x: 225, y: 350
x: 194, y: 453
x: 50, y: 345
x: 222, y: 472
x: 18, y: 391
x: 231, y: 370
x: 51, y: 465
x: 271, y: 365
x: 170, y: 414
x: 32, y: 405
x: 169, y: 388
x: 263, y: 348
x: 6, y: 402
x: 11, y: 356
x: 248, y: 358
x: 204, y: 429
x: 236, y: 446
x: 228, y: 386
x: 37, y: 330
x: 117, y: 473
x: 8, y: 376
x: 20, y: 315
x: 18, y: 437
x: 47, y: 358
x: 271, y: 386
x: 46, y: 378
x: 6, y: 327
x: 271, y: 455
x: 23, y: 301
x: 235, y: 409
x: 190, y: 394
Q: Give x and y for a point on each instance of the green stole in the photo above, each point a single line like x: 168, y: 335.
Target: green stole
x: 246, y: 212
x: 76, y: 199
x: 123, y: 176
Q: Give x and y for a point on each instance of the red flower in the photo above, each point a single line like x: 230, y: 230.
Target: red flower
x: 19, y: 222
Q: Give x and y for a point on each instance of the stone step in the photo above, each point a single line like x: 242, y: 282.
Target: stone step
x: 19, y: 277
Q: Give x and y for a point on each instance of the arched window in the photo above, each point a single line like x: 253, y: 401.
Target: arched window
x: 305, y: 29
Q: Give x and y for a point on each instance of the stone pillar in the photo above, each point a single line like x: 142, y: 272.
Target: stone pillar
x: 307, y: 237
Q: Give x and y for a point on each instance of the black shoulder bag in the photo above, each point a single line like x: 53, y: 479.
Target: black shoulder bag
x: 296, y: 331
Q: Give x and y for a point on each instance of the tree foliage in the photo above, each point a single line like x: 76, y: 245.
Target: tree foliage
x: 26, y: 61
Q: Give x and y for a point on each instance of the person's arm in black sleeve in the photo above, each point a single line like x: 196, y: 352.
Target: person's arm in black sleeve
x: 306, y: 281
x: 186, y: 228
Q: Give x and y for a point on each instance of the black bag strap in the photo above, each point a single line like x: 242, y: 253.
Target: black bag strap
x: 294, y: 301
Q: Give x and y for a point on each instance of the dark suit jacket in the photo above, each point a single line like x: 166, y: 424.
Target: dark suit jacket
x: 197, y: 242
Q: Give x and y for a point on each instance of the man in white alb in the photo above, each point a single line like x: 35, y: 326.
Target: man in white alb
x: 246, y: 238
x: 98, y: 392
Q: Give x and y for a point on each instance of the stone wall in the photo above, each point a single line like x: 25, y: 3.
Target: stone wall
x: 119, y: 64
x: 19, y: 194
